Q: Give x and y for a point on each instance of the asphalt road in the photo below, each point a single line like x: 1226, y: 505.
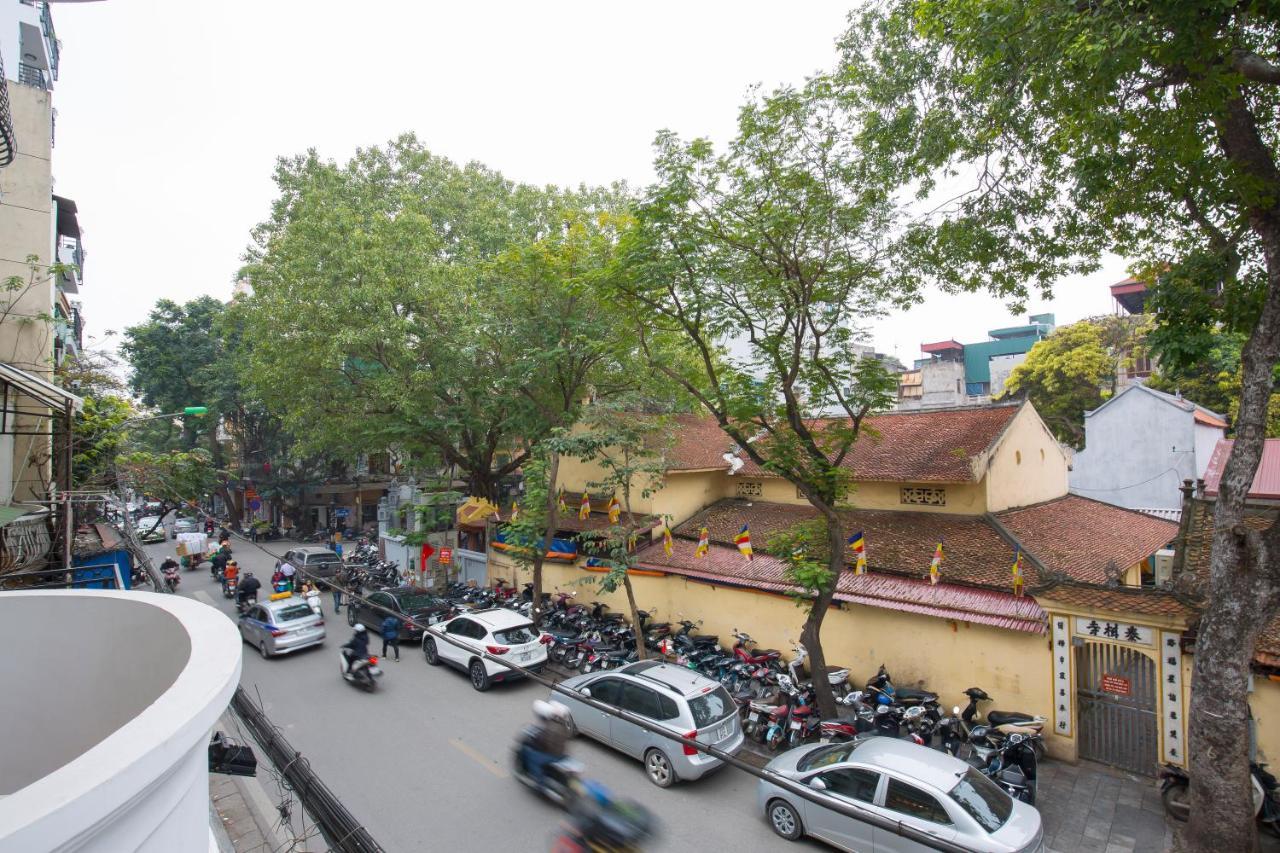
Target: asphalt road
x: 424, y: 761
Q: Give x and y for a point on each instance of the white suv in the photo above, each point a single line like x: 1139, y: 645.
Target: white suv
x: 500, y: 632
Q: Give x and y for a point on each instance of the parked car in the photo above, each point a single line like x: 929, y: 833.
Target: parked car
x: 186, y: 524
x: 686, y: 702
x: 314, y: 561
x: 150, y: 530
x: 407, y: 602
x: 500, y: 632
x: 899, y: 783
x: 281, y: 626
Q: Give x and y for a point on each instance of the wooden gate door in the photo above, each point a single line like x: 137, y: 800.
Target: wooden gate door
x: 1116, y: 702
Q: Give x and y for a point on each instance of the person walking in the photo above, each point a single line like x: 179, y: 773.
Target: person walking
x: 312, y: 597
x: 391, y: 636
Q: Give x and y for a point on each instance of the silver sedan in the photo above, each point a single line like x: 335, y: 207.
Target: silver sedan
x: 280, y: 626
x: 895, y: 783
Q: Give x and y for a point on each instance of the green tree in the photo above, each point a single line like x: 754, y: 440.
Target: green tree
x: 779, y: 245
x: 1149, y: 130
x: 1065, y: 375
x: 98, y: 430
x: 402, y: 301
x: 1212, y: 382
x: 175, y: 478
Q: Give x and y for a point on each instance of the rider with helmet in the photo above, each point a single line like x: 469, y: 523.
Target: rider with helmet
x: 546, y: 740
x: 247, y: 589
x: 355, y: 649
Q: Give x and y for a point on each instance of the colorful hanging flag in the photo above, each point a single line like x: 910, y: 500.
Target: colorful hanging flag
x: 743, y: 541
x: 584, y: 508
x: 859, y: 544
x: 667, y: 545
x: 935, y: 567
x: 515, y: 510
x: 704, y: 543
x: 564, y: 507
x: 615, y: 509
x: 1017, y: 572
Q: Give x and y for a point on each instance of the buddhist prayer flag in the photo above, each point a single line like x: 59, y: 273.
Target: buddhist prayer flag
x: 615, y: 509
x: 584, y: 508
x: 704, y: 543
x: 743, y: 541
x: 515, y: 510
x: 935, y: 567
x: 667, y: 545
x: 859, y: 544
x: 564, y: 507
x: 1017, y: 572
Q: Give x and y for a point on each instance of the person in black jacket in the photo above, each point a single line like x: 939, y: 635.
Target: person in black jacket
x: 248, y: 589
x: 357, y: 648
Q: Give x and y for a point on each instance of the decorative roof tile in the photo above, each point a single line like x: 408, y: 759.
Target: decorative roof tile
x: 939, y: 445
x: 698, y: 443
x: 1120, y: 599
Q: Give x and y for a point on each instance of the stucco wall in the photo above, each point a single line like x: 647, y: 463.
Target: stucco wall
x: 1206, y: 439
x: 1138, y: 450
x: 1265, y: 703
x: 919, y: 651
x: 1001, y: 367
x: 1027, y: 466
x: 962, y: 498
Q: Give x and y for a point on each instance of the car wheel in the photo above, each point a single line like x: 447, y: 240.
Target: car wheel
x: 479, y: 676
x: 429, y: 652
x: 351, y: 615
x: 784, y: 820
x: 658, y: 768
x: 262, y: 649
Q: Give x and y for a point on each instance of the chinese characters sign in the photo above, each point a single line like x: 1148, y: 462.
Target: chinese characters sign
x: 1062, y: 676
x: 1120, y: 632
x: 446, y: 556
x: 1171, y: 699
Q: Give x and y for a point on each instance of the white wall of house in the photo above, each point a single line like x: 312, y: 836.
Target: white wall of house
x: 1001, y: 367
x: 1138, y: 450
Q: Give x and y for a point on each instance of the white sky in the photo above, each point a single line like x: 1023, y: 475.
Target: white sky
x: 171, y: 116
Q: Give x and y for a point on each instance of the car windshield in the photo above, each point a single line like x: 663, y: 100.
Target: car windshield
x: 294, y: 612
x: 711, y: 706
x: 417, y: 602
x: 983, y: 800
x: 146, y: 523
x: 826, y: 756
x: 515, y: 636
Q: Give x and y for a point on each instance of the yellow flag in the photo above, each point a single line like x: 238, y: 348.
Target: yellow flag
x: 667, y: 544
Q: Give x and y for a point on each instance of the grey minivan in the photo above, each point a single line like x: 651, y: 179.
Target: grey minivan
x: 684, y: 701
x: 314, y: 561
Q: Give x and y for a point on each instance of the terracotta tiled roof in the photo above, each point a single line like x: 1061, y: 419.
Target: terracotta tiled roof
x: 1081, y: 538
x: 726, y: 565
x: 898, y: 542
x: 697, y: 442
x: 1266, y: 482
x: 597, y: 520
x: 1204, y: 417
x: 1118, y: 599
x: 931, y: 446
x: 1267, y: 649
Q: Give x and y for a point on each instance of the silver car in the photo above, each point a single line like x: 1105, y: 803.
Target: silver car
x: 677, y: 698
x: 184, y: 524
x: 280, y: 626
x: 895, y: 782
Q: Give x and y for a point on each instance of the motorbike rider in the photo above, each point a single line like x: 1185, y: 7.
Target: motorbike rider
x: 230, y: 574
x: 355, y: 649
x: 248, y: 588
x: 545, y: 742
x: 169, y: 565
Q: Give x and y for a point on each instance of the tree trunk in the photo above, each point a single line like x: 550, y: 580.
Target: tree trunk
x: 641, y: 651
x: 1243, y: 596
x: 233, y: 511
x: 553, y: 522
x: 482, y: 484
x: 811, y: 634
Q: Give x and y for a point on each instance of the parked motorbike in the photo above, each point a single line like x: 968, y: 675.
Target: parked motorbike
x: 882, y: 685
x: 1014, y: 767
x: 363, y: 672
x: 1000, y: 724
x: 837, y: 676
x: 1175, y: 785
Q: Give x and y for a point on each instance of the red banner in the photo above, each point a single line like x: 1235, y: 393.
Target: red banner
x: 427, y: 551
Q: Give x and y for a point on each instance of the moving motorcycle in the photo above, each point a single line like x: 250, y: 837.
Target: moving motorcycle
x: 562, y: 783
x: 363, y: 672
x: 599, y: 823
x: 171, y: 579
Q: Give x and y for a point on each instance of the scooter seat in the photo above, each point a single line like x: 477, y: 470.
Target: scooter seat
x: 1004, y: 718
x: 906, y: 693
x: 1016, y: 729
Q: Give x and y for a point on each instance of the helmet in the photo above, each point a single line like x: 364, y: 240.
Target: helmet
x: 248, y: 574
x: 882, y: 699
x: 233, y: 563
x: 549, y: 710
x: 360, y: 629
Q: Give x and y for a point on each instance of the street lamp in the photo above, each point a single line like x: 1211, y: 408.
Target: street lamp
x: 189, y: 411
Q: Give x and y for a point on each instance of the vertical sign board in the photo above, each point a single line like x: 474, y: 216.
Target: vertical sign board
x: 1173, y: 730
x: 1062, y: 690
x: 446, y: 556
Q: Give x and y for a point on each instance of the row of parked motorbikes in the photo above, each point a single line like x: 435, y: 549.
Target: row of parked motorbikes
x: 365, y: 568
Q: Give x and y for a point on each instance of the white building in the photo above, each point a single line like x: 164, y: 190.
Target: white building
x: 110, y: 715
x: 1139, y: 447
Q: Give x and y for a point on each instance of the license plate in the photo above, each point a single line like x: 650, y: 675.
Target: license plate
x: 723, y: 732
x: 524, y: 656
x: 795, y: 724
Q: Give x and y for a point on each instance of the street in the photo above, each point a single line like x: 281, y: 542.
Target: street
x: 423, y: 762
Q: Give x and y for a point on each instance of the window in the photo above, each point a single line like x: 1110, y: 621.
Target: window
x: 922, y: 496
x: 712, y: 706
x: 294, y: 612
x: 667, y: 707
x: 461, y: 627
x: 418, y: 602
x: 381, y: 599
x: 913, y: 802
x: 606, y: 690
x: 983, y: 800
x: 749, y: 488
x: 515, y: 636
x: 639, y: 700
x: 854, y: 783
x: 834, y: 754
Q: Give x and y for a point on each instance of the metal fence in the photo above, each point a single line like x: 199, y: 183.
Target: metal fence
x: 31, y: 75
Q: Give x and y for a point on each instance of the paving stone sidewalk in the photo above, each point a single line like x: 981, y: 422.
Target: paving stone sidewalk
x: 1092, y: 808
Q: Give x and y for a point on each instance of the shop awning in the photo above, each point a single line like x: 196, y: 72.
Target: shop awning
x: 41, y: 390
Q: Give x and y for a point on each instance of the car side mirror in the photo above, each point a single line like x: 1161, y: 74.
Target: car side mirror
x: 586, y: 691
x: 817, y: 784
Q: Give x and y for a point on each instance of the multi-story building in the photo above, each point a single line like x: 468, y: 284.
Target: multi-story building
x: 955, y: 374
x: 1136, y: 364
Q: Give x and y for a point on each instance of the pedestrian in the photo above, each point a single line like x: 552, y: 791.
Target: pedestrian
x: 337, y: 549
x: 312, y: 597
x: 391, y: 636
x: 288, y: 571
x: 336, y: 588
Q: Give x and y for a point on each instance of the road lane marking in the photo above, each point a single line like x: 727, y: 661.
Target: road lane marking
x: 203, y: 597
x: 479, y: 758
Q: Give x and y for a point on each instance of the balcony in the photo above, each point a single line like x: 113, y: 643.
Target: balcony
x: 34, y: 76
x: 8, y: 142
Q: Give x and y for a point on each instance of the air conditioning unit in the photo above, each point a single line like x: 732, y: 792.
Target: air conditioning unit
x: 1164, y: 566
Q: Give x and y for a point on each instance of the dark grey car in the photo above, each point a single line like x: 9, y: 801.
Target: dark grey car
x: 314, y: 561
